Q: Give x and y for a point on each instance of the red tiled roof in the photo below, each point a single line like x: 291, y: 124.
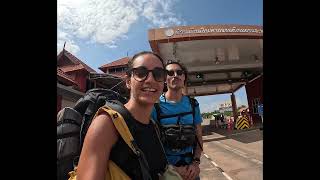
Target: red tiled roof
x: 72, y: 68
x: 75, y: 60
x: 119, y: 62
x: 65, y: 77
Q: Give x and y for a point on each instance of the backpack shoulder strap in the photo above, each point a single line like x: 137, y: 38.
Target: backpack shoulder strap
x: 122, y: 127
x: 193, y: 104
x: 159, y: 116
x: 158, y: 110
x: 156, y: 127
x: 158, y: 132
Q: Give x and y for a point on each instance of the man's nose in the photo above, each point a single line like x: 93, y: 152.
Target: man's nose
x: 175, y: 74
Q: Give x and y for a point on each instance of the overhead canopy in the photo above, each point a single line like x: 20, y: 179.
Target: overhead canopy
x: 219, y: 58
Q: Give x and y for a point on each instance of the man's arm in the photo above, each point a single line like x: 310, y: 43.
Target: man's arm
x: 198, y: 121
x: 193, y: 169
x: 198, y: 150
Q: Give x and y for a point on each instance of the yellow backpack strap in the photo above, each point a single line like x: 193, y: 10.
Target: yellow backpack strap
x: 126, y: 135
x: 124, y: 132
x: 120, y: 125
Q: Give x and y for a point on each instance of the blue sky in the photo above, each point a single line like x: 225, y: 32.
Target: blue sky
x: 101, y: 31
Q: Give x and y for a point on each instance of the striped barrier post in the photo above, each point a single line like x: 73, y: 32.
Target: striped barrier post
x: 242, y: 123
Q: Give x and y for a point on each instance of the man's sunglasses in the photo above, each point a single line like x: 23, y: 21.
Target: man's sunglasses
x: 141, y: 73
x: 179, y: 72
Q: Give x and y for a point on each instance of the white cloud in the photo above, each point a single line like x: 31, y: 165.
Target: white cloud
x: 208, y: 107
x: 107, y: 21
x: 212, y: 106
x: 63, y: 37
x: 160, y: 13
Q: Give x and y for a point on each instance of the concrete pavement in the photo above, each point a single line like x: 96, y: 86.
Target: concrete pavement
x: 233, y: 155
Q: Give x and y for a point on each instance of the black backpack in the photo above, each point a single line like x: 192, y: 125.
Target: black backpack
x: 72, y: 126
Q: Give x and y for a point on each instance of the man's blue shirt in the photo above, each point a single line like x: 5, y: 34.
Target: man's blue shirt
x: 168, y: 108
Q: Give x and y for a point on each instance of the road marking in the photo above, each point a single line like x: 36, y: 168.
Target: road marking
x: 243, y: 154
x: 256, y: 161
x: 206, y: 156
x: 219, y: 168
x: 215, y: 164
x: 209, y: 169
x: 240, y: 153
x: 227, y: 176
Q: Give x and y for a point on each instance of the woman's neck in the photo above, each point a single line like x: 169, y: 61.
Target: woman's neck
x: 140, y: 112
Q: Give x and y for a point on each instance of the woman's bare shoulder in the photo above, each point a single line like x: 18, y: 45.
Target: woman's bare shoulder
x: 98, y: 142
x: 102, y: 129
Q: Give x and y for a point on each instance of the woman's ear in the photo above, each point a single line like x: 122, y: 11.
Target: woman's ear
x: 128, y: 82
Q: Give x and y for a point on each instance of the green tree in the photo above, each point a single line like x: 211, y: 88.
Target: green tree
x: 228, y: 113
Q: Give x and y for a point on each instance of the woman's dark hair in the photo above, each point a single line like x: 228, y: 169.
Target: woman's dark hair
x: 183, y: 68
x: 131, y: 60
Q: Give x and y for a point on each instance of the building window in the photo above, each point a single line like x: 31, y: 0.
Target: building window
x: 112, y: 70
x: 118, y: 69
x: 255, y: 103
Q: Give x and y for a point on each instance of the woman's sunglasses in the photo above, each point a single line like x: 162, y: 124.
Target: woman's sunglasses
x: 141, y: 73
x: 179, y: 72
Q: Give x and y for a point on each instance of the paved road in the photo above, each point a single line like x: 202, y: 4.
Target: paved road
x: 233, y: 156
x: 209, y: 171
